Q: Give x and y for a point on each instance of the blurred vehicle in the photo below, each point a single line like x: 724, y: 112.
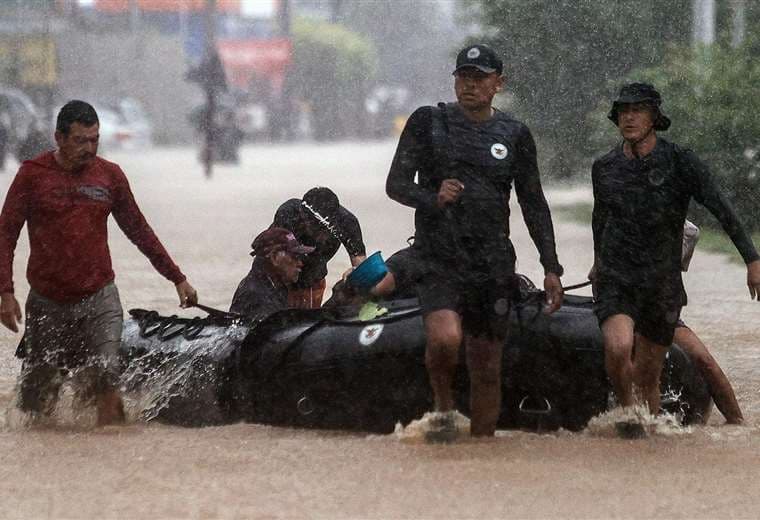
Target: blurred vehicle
x: 253, y: 121
x: 26, y: 132
x: 114, y: 133
x: 135, y: 119
x: 124, y: 125
x: 388, y: 107
x: 227, y: 135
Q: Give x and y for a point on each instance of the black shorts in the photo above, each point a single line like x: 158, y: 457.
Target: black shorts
x: 482, y: 302
x: 655, y: 316
x: 408, y: 267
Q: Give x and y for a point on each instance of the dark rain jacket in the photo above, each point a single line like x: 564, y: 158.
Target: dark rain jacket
x: 258, y: 294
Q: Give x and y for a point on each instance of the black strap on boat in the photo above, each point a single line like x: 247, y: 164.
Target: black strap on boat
x: 217, y: 313
x: 576, y: 286
x: 296, y: 343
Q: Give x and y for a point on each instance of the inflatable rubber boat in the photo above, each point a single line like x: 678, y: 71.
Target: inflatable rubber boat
x: 327, y: 368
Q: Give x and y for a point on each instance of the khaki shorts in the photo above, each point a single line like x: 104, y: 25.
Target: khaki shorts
x: 78, y: 339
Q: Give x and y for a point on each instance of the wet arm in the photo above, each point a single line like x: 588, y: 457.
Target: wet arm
x: 412, y: 156
x: 533, y: 203
x: 351, y: 238
x: 710, y: 196
x: 599, y: 215
x: 12, y: 221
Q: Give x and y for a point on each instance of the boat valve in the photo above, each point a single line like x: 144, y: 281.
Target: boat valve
x: 305, y: 406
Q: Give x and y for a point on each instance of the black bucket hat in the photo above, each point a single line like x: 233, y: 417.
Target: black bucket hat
x: 640, y: 93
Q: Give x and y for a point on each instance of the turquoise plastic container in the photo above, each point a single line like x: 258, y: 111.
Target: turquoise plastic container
x: 368, y: 273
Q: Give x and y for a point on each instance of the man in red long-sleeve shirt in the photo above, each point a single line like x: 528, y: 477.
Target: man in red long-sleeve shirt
x: 73, y: 312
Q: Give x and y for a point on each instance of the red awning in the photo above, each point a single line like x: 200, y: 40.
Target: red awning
x: 120, y: 6
x: 245, y: 59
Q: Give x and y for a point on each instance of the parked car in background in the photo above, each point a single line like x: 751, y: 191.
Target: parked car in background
x: 114, y: 134
x: 253, y: 121
x: 25, y: 131
x: 387, y: 108
x: 124, y: 125
x: 134, y: 119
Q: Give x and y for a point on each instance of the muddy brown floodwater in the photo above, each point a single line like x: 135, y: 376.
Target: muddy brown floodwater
x: 255, y: 471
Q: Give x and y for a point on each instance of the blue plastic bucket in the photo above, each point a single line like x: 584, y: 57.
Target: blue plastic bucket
x: 368, y: 273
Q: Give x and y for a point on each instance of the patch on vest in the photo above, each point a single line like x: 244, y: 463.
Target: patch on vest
x: 473, y: 53
x: 499, y: 151
x: 370, y: 333
x: 656, y: 177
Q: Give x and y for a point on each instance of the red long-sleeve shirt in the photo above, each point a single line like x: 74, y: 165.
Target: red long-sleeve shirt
x: 67, y: 216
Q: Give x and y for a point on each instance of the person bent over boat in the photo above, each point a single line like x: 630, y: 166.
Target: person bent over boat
x: 642, y: 190
x: 73, y: 312
x: 318, y: 220
x: 720, y: 388
x: 405, y: 268
x: 466, y: 155
x: 278, y: 258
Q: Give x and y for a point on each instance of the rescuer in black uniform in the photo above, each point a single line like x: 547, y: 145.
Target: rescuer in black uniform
x: 466, y: 156
x: 642, y: 190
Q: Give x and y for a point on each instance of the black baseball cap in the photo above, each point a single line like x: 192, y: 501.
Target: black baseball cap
x: 277, y: 239
x: 481, y: 57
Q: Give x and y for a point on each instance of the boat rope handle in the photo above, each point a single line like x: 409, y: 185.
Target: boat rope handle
x: 149, y: 324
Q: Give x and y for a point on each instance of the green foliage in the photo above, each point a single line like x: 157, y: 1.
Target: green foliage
x: 415, y: 45
x: 560, y: 56
x: 332, y: 69
x: 709, y: 240
x: 710, y: 94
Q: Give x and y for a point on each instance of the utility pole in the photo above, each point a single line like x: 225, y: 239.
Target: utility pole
x: 335, y: 7
x: 738, y: 22
x: 284, y: 17
x: 210, y: 54
x: 704, y: 21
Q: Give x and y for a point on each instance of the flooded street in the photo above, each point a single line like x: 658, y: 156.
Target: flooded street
x: 254, y: 471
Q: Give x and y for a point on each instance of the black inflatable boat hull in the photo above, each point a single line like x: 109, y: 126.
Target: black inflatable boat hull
x: 327, y: 369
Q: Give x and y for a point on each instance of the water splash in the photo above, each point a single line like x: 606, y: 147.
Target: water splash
x: 70, y: 412
x: 178, y: 371
x: 664, y: 424
x: 415, y: 431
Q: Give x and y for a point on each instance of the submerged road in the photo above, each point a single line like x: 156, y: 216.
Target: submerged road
x: 253, y: 471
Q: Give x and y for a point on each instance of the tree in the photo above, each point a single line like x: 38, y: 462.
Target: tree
x: 712, y: 100
x: 332, y: 69
x: 561, y: 55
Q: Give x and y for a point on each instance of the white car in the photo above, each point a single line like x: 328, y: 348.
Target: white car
x: 123, y: 125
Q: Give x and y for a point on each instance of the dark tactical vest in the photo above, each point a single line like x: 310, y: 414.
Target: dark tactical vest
x: 473, y: 231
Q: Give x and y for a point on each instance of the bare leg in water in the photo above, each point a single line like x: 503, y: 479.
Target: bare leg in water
x: 720, y: 388
x: 110, y: 408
